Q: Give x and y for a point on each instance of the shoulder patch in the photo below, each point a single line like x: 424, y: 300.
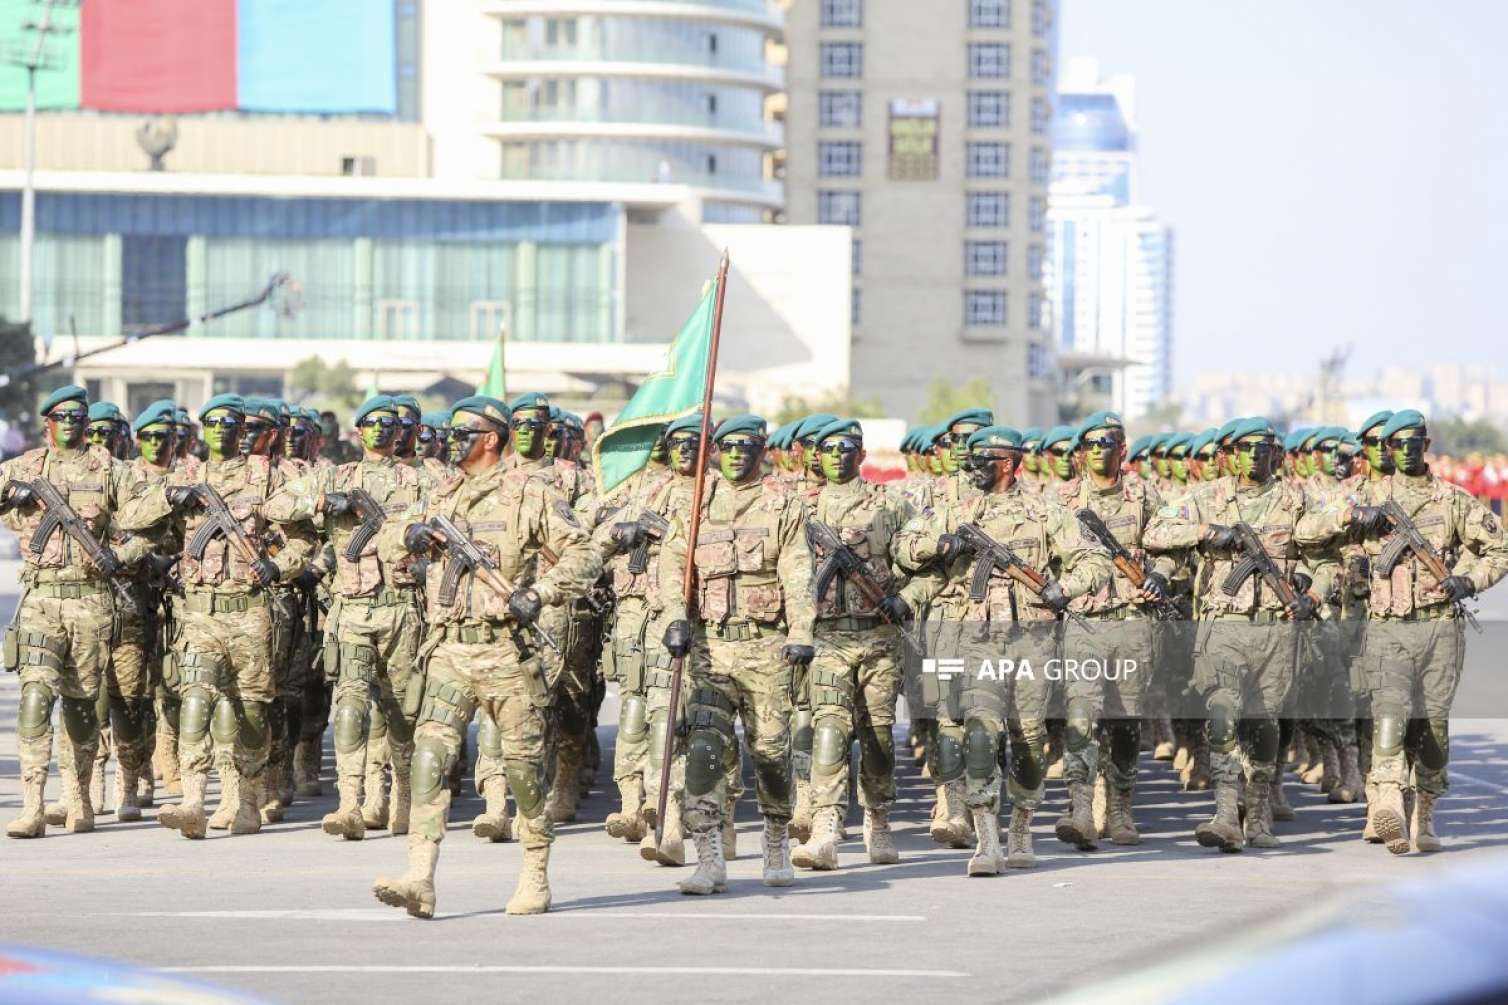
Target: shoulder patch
x: 563, y: 509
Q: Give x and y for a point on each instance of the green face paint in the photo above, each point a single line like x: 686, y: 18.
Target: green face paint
x: 222, y: 433
x: 1379, y: 458
x: 683, y: 450
x: 379, y: 431
x: 156, y: 444
x: 66, y: 426
x: 1327, y: 461
x: 1179, y: 468
x: 1208, y: 469
x: 1029, y: 462
x: 1407, y: 447
x: 739, y: 456
x: 1252, y: 460
x: 529, y: 434
x: 934, y: 462
x: 1059, y: 460
x: 659, y: 453
x: 841, y: 458
x: 1102, y: 452
x: 466, y: 441
x: 958, y: 445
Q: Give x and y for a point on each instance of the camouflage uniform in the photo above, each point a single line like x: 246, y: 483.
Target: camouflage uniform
x: 61, y: 636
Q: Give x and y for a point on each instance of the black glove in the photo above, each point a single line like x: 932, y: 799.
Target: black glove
x: 525, y: 606
x: 108, y: 562
x: 677, y: 640
x: 897, y: 611
x: 336, y: 503
x: 264, y: 572
x: 627, y: 536
x: 420, y: 569
x: 16, y: 494
x: 1301, y: 582
x: 1052, y: 596
x: 800, y: 656
x: 307, y: 580
x: 183, y: 497
x: 1219, y: 538
x: 1304, y: 607
x: 949, y: 547
x: 1156, y: 586
x: 1369, y: 519
x: 1457, y: 588
x: 161, y: 565
x: 419, y: 538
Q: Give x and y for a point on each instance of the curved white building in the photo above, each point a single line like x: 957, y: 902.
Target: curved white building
x: 671, y: 91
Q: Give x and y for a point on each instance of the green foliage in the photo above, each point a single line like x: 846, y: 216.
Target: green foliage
x: 17, y: 351
x: 841, y: 404
x: 314, y: 382
x: 1454, y: 436
x: 944, y: 398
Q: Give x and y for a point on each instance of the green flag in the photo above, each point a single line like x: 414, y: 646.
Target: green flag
x: 496, y: 384
x: 673, y: 392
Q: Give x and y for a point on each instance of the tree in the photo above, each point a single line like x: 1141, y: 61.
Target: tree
x: 944, y: 399
x: 312, y: 378
x: 18, y: 396
x: 839, y: 403
x: 1453, y: 436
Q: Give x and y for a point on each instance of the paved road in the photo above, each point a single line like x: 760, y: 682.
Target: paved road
x: 288, y: 913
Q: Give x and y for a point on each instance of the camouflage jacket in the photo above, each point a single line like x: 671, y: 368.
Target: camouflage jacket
x: 866, y: 517
x: 1126, y: 508
x: 647, y: 490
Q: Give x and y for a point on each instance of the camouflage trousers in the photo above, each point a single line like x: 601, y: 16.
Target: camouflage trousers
x: 1106, y: 686
x: 492, y: 667
x: 63, y: 642
x: 626, y: 661
x: 852, y: 687
x: 573, y: 677
x: 737, y: 674
x: 1244, y: 669
x: 378, y: 686
x: 124, y: 707
x: 224, y: 682
x: 1323, y: 697
x: 1411, y: 670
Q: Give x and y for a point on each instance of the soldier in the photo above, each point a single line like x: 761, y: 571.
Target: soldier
x: 1245, y: 645
x: 59, y: 637
x: 189, y: 443
x: 232, y: 555
x: 376, y: 620
x: 304, y: 444
x: 1009, y: 615
x: 1120, y: 613
x: 1415, y: 637
x: 433, y: 427
x: 108, y: 428
x: 855, y: 678
x: 1056, y: 463
x: 478, y: 650
x: 753, y: 631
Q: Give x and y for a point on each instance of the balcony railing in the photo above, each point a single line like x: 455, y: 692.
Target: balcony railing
x: 772, y: 133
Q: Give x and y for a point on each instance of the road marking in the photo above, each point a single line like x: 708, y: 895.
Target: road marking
x: 563, y: 969
x: 585, y: 913
x: 1479, y: 782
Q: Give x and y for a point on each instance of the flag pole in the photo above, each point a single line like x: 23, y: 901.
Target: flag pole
x: 688, y: 574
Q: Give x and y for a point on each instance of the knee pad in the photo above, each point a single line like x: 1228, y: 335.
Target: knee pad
x: 704, y: 761
x: 659, y: 725
x: 523, y: 781
x: 34, y: 718
x: 1434, y: 744
x: 224, y: 726
x: 948, y: 754
x: 1264, y: 741
x: 127, y: 718
x: 1222, y: 725
x: 829, y: 744
x: 877, y: 749
x: 254, y: 733
x: 376, y: 719
x: 978, y: 749
x: 1078, y: 730
x: 428, y: 769
x: 80, y: 720
x: 194, y: 716
x: 489, y: 739
x: 633, y: 717
x: 1387, y: 734
x: 350, y: 725
x: 1026, y: 753
x: 801, y: 730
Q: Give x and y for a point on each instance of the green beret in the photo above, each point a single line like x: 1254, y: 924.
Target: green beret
x: 261, y: 408
x: 995, y: 436
x: 1201, y: 441
x: 1178, y: 441
x: 530, y: 402
x: 69, y: 392
x: 692, y: 422
x: 1328, y: 433
x: 1406, y: 419
x: 181, y: 416
x: 571, y: 421
x: 926, y: 437
x: 106, y: 410
x: 983, y: 416
x: 435, y: 420
x: 1294, y: 438
x: 376, y: 403
x: 555, y: 413
x: 1104, y: 419
x: 494, y: 410
x: 1376, y: 419
x: 779, y: 436
x: 740, y: 424
x: 809, y: 425
x: 1031, y: 434
x: 407, y: 401
x: 1225, y: 431
x: 1138, y: 447
x: 1253, y: 426
x: 309, y: 415
x: 160, y: 411
x: 1056, y: 435
x: 1350, y: 443
x: 234, y: 402
x: 841, y: 427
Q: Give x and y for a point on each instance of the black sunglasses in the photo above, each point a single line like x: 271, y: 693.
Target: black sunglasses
x: 841, y: 445
x: 1104, y: 442
x: 68, y: 415
x: 1058, y: 451
x: 153, y: 437
x: 226, y: 421
x: 385, y: 421
x: 466, y: 432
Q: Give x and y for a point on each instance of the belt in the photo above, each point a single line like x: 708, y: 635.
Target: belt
x: 851, y: 623
x: 222, y: 603
x: 1263, y: 617
x: 1121, y: 613
x: 1435, y: 612
x: 735, y: 631
x: 68, y: 591
x: 475, y: 633
x: 386, y: 597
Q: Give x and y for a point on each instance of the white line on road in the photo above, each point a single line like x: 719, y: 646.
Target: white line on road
x: 563, y: 969
x: 1479, y: 782
x: 589, y: 914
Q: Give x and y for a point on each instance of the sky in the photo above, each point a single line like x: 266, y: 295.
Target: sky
x: 1333, y: 170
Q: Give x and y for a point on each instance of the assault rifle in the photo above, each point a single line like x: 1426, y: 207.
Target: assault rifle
x: 991, y: 555
x: 655, y: 528
x: 61, y: 515
x: 370, y: 511
x: 466, y: 557
x: 1167, y: 609
x: 840, y: 560
x: 221, y: 522
x: 1408, y: 538
x: 1256, y: 562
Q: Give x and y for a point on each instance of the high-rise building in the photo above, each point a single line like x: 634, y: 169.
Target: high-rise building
x: 926, y: 127
x: 670, y: 91
x: 1110, y: 270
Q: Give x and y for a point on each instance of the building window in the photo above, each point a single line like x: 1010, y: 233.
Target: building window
x: 842, y: 13
x: 1038, y: 361
x: 858, y: 256
x: 840, y: 109
x: 842, y: 59
x: 853, y: 306
x: 1041, y: 17
x: 988, y: 160
x: 1037, y: 214
x: 984, y: 258
x: 840, y: 160
x: 988, y: 60
x: 838, y: 208
x: 989, y: 209
x: 1041, y: 166
x: 1034, y: 257
x: 984, y: 308
x: 1041, y: 68
x: 989, y: 109
x: 1034, y: 310
x: 989, y: 13
x: 1041, y: 116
